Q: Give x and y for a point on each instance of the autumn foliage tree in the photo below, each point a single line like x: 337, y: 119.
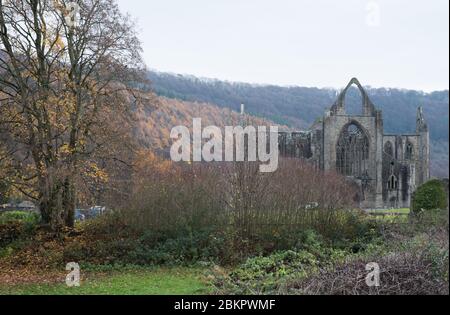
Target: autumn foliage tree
x: 69, y: 71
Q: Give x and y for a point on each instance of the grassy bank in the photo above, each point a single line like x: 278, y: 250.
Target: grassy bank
x: 162, y: 281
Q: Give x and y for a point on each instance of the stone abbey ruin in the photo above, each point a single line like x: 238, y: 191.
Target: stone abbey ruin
x: 386, y: 168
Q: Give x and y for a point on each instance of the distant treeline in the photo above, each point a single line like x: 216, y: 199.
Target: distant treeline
x: 300, y: 107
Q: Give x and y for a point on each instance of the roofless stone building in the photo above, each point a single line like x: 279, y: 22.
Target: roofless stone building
x: 387, y: 168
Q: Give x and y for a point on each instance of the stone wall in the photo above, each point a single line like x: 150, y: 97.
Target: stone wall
x: 390, y: 178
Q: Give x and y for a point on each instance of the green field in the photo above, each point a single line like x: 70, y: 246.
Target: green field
x: 179, y: 281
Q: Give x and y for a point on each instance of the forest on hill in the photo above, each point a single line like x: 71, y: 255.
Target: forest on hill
x: 300, y: 107
x: 155, y: 124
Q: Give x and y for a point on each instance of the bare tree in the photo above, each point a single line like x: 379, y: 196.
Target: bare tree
x: 68, y: 75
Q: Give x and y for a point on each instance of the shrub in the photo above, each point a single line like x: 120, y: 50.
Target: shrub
x: 276, y: 265
x: 256, y: 213
x: 429, y: 196
x: 221, y: 213
x: 260, y: 275
x: 15, y: 225
x: 419, y: 267
x: 10, y: 232
x: 268, y: 274
x: 185, y: 248
x: 19, y: 216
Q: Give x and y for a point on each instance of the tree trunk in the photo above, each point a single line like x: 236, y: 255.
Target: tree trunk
x: 57, y: 204
x: 50, y: 203
x: 69, y: 194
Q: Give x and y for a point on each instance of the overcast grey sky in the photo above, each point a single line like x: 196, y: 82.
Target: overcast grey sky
x: 323, y: 43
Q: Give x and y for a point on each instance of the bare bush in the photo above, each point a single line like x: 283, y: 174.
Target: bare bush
x: 421, y: 270
x: 297, y: 196
x: 167, y: 196
x: 237, y: 195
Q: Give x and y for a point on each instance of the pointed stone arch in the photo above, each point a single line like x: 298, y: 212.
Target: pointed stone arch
x: 352, y: 151
x: 389, y: 149
x: 368, y: 109
x: 392, y: 182
x: 409, y: 151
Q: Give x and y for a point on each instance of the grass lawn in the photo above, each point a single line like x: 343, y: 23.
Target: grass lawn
x: 404, y: 211
x: 391, y: 215
x: 179, y: 281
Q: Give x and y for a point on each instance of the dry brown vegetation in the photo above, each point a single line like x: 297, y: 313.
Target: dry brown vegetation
x: 154, y: 126
x: 419, y: 270
x: 297, y: 196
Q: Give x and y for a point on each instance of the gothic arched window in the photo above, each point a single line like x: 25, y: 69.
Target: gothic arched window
x: 388, y: 149
x: 352, y: 151
x: 392, y: 183
x: 409, y: 154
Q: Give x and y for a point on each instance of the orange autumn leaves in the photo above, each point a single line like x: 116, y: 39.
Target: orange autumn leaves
x: 147, y: 164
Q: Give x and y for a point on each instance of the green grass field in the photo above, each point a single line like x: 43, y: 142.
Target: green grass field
x: 179, y: 281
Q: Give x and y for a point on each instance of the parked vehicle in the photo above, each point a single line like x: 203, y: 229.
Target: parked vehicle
x: 86, y: 214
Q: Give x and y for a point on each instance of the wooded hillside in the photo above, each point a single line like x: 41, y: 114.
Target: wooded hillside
x: 299, y: 107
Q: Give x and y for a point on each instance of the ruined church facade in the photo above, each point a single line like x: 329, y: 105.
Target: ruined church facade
x: 386, y: 168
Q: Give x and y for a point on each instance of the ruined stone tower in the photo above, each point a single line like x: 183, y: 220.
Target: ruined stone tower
x: 387, y: 168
